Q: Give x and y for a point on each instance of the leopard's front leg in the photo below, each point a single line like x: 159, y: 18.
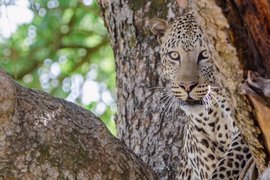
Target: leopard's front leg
x: 185, y: 171
x: 233, y: 161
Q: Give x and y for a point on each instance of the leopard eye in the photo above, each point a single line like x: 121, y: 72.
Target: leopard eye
x: 203, y: 55
x: 173, y: 55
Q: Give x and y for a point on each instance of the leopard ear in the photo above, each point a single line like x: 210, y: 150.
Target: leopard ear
x: 158, y: 27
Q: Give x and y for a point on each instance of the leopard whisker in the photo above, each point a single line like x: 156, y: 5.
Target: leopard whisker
x: 167, y: 104
x: 215, y: 88
x: 212, y: 95
x: 162, y: 99
x: 208, y: 101
x: 157, y: 89
x: 201, y: 94
x: 207, y: 106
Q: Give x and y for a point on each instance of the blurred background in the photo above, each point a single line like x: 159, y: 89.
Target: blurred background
x: 60, y: 47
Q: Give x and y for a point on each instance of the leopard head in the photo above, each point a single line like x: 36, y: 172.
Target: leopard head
x: 185, y: 58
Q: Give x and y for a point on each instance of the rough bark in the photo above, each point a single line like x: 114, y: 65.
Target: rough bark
x: 46, y: 137
x: 152, y: 132
x: 250, y: 27
x: 49, y: 138
x: 228, y: 62
x: 157, y: 136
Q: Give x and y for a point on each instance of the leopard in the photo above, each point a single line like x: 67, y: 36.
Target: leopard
x: 213, y: 147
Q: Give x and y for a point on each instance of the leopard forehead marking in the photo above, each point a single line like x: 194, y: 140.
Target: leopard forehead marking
x: 184, y: 32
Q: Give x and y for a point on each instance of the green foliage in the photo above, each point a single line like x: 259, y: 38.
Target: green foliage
x: 64, y: 51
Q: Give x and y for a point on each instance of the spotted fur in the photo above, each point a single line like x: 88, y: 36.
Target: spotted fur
x: 213, y: 147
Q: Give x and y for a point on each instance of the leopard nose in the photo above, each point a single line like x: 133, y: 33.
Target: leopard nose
x: 188, y: 86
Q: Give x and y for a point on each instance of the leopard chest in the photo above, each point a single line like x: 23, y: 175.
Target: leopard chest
x: 207, y: 137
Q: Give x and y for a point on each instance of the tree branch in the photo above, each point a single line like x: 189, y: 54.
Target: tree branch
x: 45, y: 137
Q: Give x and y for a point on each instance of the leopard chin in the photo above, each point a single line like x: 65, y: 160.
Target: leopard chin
x: 192, y: 106
x: 191, y: 109
x: 193, y: 102
x: 190, y: 101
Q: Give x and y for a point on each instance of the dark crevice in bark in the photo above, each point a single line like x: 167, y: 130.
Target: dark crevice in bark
x: 249, y: 23
x: 248, y: 53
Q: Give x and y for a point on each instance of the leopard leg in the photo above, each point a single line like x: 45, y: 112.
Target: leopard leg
x: 233, y: 161
x: 184, y: 172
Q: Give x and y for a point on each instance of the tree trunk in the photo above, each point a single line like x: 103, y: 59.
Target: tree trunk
x: 49, y: 138
x: 145, y: 124
x: 250, y: 29
x: 46, y: 137
x: 151, y: 131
